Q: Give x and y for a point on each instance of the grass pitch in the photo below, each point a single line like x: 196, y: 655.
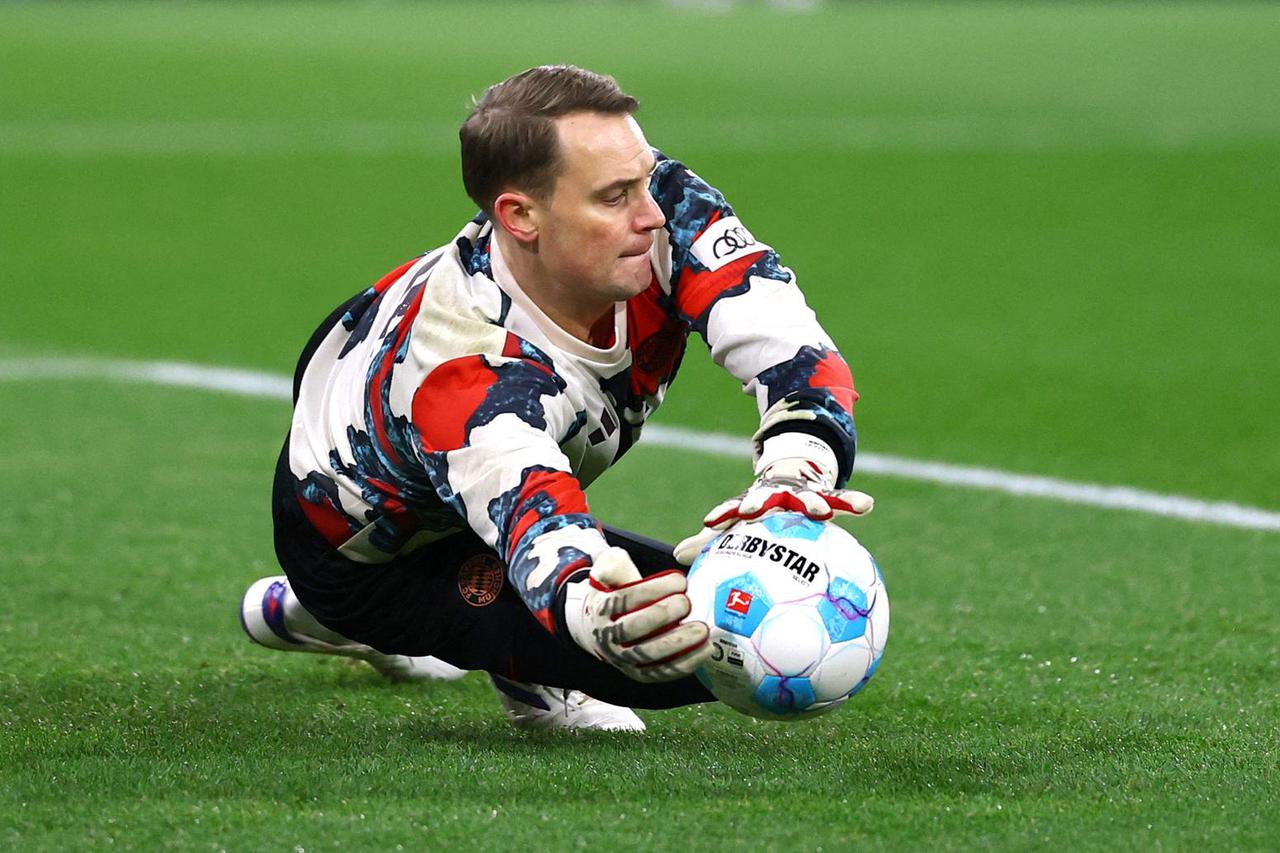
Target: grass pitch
x: 1044, y: 236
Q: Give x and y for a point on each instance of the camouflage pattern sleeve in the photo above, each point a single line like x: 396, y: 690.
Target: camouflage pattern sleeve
x: 733, y: 290
x: 491, y: 428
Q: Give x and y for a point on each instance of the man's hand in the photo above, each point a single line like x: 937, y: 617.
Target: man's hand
x: 803, y: 482
x: 633, y: 622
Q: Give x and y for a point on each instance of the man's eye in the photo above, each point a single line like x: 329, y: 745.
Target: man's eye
x: 617, y: 199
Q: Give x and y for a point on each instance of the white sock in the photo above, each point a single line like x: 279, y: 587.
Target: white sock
x: 298, y: 620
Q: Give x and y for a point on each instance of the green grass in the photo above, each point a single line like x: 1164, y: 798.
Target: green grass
x: 1054, y: 675
x: 1044, y: 235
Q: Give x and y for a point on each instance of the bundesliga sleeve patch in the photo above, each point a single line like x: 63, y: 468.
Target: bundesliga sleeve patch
x: 725, y: 240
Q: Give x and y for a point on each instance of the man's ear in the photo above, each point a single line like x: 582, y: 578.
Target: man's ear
x: 517, y: 213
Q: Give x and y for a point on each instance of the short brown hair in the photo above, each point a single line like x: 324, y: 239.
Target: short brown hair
x: 509, y: 138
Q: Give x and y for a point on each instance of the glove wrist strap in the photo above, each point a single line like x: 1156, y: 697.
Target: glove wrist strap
x: 575, y: 594
x: 797, y: 448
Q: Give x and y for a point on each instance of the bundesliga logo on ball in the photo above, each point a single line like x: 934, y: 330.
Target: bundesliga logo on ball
x: 798, y: 613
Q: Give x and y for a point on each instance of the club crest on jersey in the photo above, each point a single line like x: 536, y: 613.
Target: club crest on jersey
x: 725, y: 240
x: 480, y: 580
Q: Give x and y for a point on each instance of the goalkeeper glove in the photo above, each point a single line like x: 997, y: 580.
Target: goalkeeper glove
x: 795, y: 473
x: 634, y: 623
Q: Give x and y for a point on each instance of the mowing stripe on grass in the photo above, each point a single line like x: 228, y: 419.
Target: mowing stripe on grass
x: 951, y: 132
x: 254, y: 383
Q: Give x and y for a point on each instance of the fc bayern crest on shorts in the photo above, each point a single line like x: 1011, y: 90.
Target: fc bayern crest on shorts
x: 480, y: 579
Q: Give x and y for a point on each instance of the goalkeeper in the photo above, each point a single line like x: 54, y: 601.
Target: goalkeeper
x: 428, y: 502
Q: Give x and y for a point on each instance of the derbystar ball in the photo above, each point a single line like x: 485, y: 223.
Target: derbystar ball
x: 798, y: 614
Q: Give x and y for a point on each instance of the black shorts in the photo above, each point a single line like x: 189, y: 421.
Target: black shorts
x: 451, y: 599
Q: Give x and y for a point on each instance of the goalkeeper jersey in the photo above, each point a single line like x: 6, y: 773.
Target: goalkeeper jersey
x: 446, y: 400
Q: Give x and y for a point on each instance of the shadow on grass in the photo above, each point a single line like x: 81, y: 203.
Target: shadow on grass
x: 223, y: 728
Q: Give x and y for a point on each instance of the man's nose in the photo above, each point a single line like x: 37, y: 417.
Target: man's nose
x: 651, y: 217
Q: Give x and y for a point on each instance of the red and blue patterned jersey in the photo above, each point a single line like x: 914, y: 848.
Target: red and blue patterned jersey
x: 446, y: 400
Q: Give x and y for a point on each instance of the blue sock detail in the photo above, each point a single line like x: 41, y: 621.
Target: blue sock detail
x: 273, y: 611
x: 519, y: 693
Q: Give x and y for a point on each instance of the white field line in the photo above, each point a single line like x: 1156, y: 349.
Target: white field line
x: 254, y: 383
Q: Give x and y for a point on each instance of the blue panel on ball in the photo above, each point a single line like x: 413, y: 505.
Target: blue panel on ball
x: 871, y: 670
x: 741, y: 604
x: 844, y: 610
x: 793, y: 525
x: 781, y: 695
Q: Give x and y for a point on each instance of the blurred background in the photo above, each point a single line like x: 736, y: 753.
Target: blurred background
x: 1044, y: 234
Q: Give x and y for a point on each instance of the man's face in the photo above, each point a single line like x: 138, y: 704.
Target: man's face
x: 595, y: 230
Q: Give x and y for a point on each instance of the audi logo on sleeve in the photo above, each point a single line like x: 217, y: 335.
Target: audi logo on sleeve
x: 731, y: 241
x: 725, y: 240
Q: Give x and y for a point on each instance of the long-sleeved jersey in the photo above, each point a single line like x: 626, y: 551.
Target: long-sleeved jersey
x: 445, y: 399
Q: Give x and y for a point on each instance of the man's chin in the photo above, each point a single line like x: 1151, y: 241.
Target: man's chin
x: 638, y: 274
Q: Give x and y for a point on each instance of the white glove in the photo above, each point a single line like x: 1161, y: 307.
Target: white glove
x: 634, y: 623
x: 795, y: 473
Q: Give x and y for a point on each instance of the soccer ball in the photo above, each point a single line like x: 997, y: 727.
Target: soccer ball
x: 798, y: 614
